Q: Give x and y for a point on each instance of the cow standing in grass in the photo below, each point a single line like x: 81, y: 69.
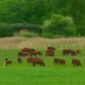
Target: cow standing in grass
x: 76, y: 62
x: 50, y: 51
x: 25, y: 52
x: 59, y: 61
x: 66, y: 51
x: 70, y: 52
x: 7, y: 62
x: 29, y: 52
x: 73, y: 53
x: 35, y: 61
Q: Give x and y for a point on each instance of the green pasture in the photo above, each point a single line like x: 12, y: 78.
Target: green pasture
x: 25, y: 74
x: 42, y: 76
x: 12, y: 54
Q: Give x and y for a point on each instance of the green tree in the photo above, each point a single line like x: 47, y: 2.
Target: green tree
x: 60, y: 25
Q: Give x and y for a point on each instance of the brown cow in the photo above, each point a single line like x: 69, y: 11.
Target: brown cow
x: 29, y: 51
x: 76, y: 62
x: 66, y: 51
x: 59, y: 61
x: 50, y: 51
x: 7, y: 62
x: 73, y: 53
x: 25, y: 52
x: 70, y: 52
x: 35, y: 61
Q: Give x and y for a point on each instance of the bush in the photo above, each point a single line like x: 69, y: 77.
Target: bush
x: 47, y: 35
x: 5, y: 30
x: 60, y: 25
x: 10, y: 29
x: 25, y: 33
x: 25, y: 26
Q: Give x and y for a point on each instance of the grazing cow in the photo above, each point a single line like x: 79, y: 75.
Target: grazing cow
x: 70, y: 52
x: 25, y: 52
x: 19, y: 60
x: 73, y: 53
x: 35, y: 61
x: 76, y: 62
x: 38, y: 61
x: 59, y: 61
x: 29, y: 51
x: 50, y: 51
x: 66, y: 51
x: 7, y: 62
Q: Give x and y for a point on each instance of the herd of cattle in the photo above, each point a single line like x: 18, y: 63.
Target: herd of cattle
x: 32, y: 56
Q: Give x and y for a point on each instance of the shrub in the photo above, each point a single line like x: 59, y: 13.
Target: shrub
x: 25, y: 33
x: 11, y: 29
x: 47, y: 35
x: 5, y: 30
x: 60, y: 25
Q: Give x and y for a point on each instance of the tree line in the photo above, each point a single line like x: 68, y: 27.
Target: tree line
x: 47, y: 18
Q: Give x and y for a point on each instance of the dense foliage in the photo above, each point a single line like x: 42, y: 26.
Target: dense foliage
x: 60, y: 25
x: 38, y: 11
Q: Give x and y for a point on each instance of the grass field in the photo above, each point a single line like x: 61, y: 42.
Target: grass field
x: 25, y: 74
x: 42, y: 76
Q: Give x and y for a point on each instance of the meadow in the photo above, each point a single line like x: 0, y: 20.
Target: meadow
x: 42, y: 76
x: 25, y: 74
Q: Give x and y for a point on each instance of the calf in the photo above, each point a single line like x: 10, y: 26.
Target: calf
x: 35, y: 61
x: 73, y: 53
x: 76, y: 62
x: 50, y: 53
x: 70, y: 52
x: 59, y: 61
x: 66, y: 51
x: 7, y: 62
